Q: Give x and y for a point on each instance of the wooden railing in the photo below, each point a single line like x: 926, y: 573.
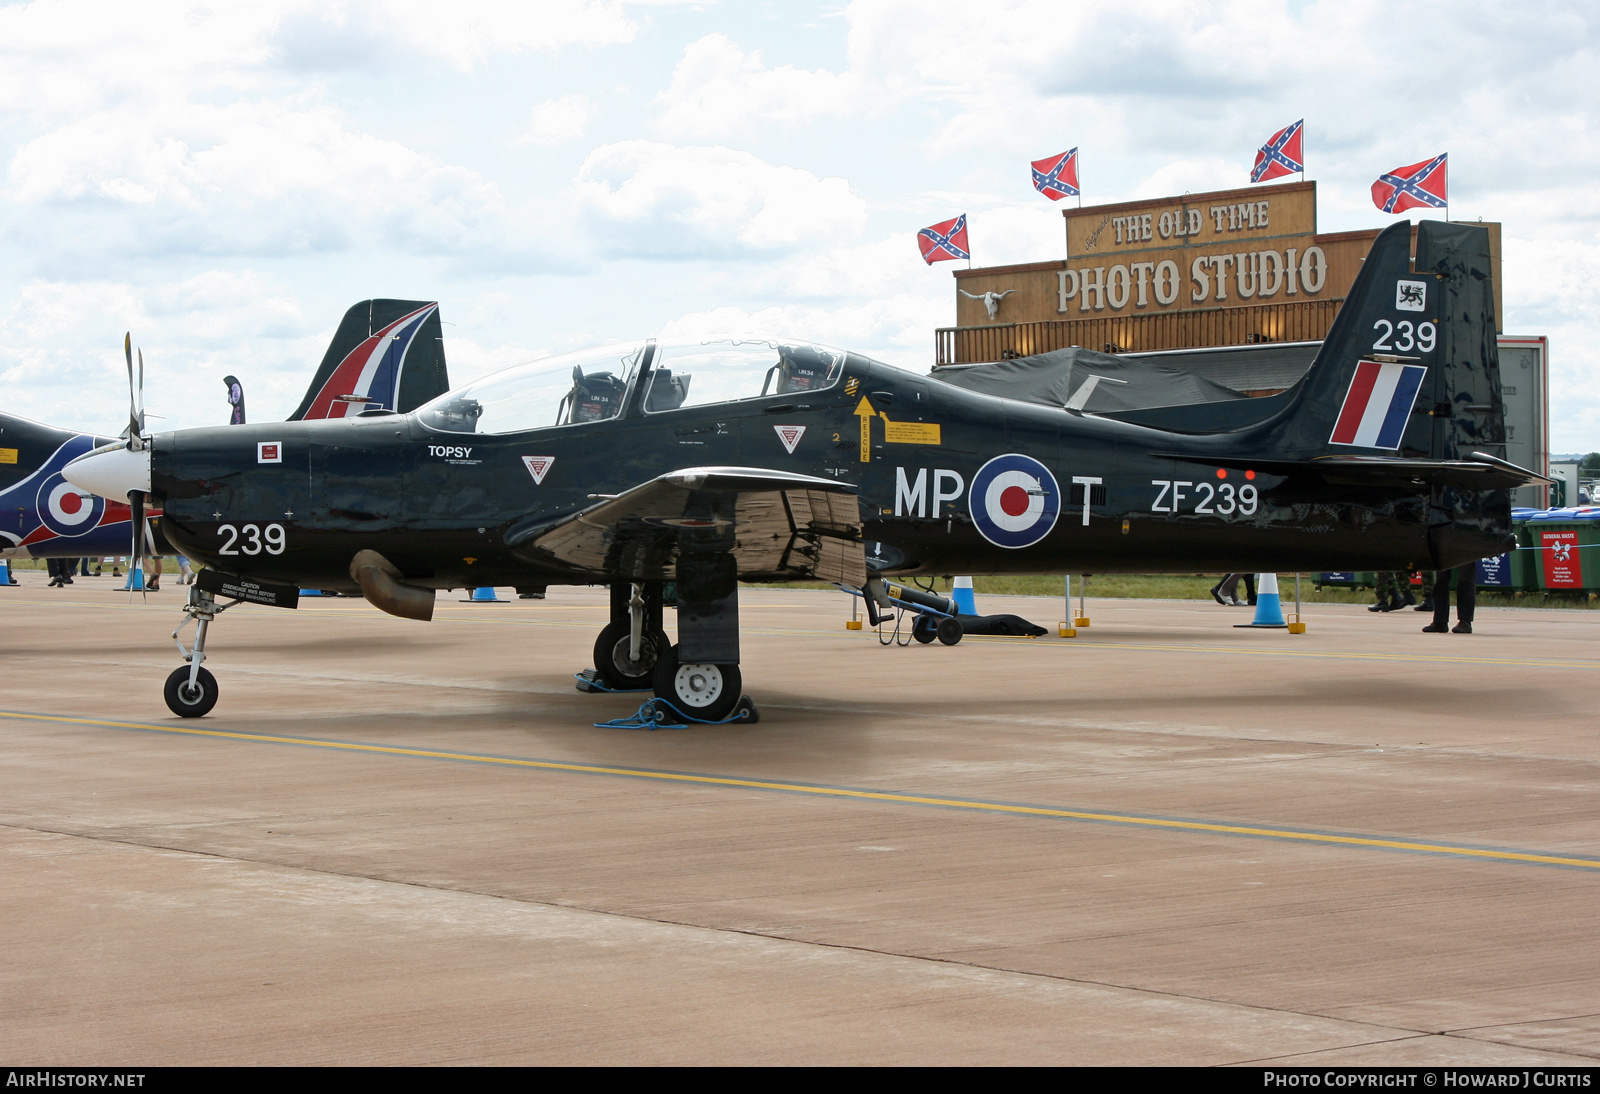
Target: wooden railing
x: 1301, y: 321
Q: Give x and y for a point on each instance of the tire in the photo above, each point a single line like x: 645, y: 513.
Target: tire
x: 185, y: 704
x: 949, y: 631
x: 611, y: 657
x: 707, y: 692
x: 925, y: 629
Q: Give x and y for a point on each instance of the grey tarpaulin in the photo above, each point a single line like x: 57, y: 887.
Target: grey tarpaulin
x: 1087, y: 380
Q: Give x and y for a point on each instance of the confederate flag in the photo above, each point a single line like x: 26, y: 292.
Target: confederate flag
x: 1420, y: 185
x: 944, y: 241
x: 1056, y: 177
x: 1280, y: 156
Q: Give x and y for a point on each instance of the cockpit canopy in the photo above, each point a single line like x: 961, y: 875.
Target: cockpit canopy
x: 595, y: 384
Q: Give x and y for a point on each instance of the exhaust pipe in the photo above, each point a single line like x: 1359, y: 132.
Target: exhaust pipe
x: 381, y: 585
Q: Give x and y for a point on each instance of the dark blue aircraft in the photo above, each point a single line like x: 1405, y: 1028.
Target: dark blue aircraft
x: 709, y: 463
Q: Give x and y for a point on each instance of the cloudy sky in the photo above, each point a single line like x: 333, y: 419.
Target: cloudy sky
x: 226, y: 179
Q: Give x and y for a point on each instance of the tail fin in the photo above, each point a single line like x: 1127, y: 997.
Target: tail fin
x: 386, y: 354
x: 1410, y: 368
x: 1406, y: 389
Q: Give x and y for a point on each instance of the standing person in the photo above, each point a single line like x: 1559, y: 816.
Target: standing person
x: 235, y: 399
x: 1466, y: 576
x: 1428, y: 578
x: 185, y: 574
x: 1226, y: 591
x: 1392, y: 591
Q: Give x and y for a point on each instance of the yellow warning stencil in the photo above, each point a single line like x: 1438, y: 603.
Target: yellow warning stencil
x: 910, y: 432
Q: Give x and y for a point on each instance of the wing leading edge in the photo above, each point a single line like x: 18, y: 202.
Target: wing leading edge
x: 777, y: 526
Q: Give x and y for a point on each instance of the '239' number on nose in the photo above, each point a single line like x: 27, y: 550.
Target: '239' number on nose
x: 252, y: 539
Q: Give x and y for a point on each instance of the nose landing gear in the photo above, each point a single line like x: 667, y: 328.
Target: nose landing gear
x: 191, y: 690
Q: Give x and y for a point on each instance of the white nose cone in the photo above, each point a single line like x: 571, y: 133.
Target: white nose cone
x: 111, y: 472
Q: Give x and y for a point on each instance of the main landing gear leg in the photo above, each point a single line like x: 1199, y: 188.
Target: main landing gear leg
x: 633, y: 642
x: 191, y: 691
x: 699, y: 677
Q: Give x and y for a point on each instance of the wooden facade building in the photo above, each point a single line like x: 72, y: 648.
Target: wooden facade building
x: 1232, y: 267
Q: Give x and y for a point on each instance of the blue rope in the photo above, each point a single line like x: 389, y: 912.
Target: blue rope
x: 653, y: 714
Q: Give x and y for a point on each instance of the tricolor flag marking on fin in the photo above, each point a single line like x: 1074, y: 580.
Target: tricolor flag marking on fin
x: 1378, y: 404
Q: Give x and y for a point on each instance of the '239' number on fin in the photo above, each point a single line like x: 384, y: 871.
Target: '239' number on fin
x: 1403, y: 338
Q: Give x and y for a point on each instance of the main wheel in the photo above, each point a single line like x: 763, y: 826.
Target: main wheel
x: 190, y: 702
x: 925, y: 629
x: 617, y: 668
x: 950, y: 631
x: 703, y: 691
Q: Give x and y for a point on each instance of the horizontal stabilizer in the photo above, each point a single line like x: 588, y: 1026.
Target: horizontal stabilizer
x: 1479, y: 471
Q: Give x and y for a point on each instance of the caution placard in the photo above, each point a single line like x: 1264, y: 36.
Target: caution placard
x: 252, y: 592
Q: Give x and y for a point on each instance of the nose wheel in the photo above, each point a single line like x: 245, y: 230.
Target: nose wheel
x: 190, y: 698
x: 704, y: 691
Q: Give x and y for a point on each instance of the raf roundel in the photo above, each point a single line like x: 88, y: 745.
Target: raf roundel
x: 1014, y: 501
x: 66, y: 510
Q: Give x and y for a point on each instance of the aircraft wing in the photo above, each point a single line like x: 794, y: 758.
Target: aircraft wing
x: 777, y: 525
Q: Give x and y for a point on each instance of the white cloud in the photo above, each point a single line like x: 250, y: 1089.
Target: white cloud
x: 67, y: 56
x: 718, y: 89
x: 254, y: 178
x: 557, y: 121
x: 67, y: 337
x: 646, y: 199
x: 464, y: 33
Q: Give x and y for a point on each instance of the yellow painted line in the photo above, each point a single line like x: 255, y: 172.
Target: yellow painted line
x: 1288, y: 835
x: 1345, y: 655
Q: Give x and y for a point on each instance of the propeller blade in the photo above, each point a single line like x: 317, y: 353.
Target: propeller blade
x: 140, y: 401
x: 136, y: 548
x: 135, y: 441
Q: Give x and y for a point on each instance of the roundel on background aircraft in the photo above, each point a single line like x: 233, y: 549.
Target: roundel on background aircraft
x: 1014, y: 500
x: 66, y: 510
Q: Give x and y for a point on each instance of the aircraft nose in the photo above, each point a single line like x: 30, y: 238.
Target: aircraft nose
x: 111, y: 472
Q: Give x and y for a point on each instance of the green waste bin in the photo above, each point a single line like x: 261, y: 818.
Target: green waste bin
x: 1524, y: 560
